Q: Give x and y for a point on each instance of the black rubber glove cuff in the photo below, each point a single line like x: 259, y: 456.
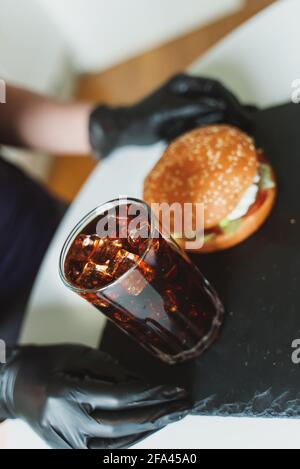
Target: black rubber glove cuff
x: 105, y: 128
x: 4, y: 413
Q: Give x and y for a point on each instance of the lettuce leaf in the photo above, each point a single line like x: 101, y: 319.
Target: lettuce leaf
x: 266, y: 181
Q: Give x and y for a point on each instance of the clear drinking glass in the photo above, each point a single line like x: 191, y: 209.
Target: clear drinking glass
x: 141, y: 280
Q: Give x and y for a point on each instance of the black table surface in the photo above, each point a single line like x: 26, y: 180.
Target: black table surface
x: 249, y: 371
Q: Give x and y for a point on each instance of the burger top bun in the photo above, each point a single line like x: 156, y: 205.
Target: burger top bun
x: 213, y: 165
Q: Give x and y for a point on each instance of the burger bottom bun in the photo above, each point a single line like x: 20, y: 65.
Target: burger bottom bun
x: 249, y: 225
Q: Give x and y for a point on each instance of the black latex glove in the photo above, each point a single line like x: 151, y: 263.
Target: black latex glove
x: 183, y: 103
x: 77, y: 397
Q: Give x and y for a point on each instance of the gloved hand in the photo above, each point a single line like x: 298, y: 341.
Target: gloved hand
x: 183, y: 103
x: 77, y: 397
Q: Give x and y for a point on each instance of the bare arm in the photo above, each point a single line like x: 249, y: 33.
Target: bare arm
x: 36, y: 122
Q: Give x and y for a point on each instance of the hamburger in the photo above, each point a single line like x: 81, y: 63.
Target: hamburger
x: 220, y: 167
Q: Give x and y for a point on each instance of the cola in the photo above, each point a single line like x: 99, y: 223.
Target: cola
x: 143, y: 282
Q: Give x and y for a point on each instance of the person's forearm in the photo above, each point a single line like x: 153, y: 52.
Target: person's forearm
x: 36, y: 122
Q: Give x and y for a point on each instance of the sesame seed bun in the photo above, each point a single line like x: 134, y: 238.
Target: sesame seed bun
x: 215, y: 166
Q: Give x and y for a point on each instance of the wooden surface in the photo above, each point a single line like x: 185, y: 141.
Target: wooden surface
x: 129, y: 81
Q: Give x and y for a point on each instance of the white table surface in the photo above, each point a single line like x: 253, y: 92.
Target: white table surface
x: 260, y: 67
